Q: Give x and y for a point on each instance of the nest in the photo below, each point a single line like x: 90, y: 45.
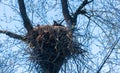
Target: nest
x: 50, y: 46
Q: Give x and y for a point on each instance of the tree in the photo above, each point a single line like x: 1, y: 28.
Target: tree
x: 52, y: 48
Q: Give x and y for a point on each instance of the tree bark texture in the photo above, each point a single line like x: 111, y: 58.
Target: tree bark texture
x: 26, y: 20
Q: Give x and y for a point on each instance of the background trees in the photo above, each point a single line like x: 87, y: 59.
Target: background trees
x: 97, y: 25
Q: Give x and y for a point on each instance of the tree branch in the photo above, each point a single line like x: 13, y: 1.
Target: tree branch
x: 13, y: 35
x: 80, y: 8
x: 66, y: 13
x: 26, y: 20
x: 72, y: 20
x: 107, y: 55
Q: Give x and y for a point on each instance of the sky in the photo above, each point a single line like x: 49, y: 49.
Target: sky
x: 8, y: 23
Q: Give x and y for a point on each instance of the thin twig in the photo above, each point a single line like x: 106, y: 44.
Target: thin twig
x: 107, y: 55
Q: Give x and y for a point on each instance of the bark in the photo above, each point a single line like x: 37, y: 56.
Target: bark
x: 66, y: 13
x: 13, y: 35
x: 72, y: 20
x: 26, y: 20
x: 80, y: 8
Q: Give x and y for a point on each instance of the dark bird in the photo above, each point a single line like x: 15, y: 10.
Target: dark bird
x: 56, y: 24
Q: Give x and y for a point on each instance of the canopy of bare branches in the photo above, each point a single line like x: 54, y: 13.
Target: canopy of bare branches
x: 74, y: 36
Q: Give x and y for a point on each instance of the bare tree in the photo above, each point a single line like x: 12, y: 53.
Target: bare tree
x: 90, y: 25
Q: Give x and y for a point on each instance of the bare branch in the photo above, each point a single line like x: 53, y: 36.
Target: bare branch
x: 66, y: 13
x: 80, y: 8
x: 13, y: 35
x: 26, y: 20
x: 107, y: 55
x: 71, y: 21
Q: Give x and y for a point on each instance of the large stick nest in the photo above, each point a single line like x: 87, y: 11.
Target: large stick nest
x: 51, y: 44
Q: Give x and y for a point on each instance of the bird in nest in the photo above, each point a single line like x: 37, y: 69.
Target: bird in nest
x: 56, y: 24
